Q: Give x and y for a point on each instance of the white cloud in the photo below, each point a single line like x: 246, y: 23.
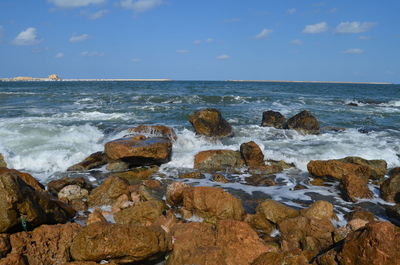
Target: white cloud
x: 92, y: 54
x: 140, y: 6
x: 75, y: 3
x: 264, y: 33
x: 223, y: 57
x: 27, y: 37
x: 78, y: 38
x: 182, y: 51
x: 354, y: 51
x: 316, y: 28
x: 354, y: 27
x: 98, y: 14
x: 209, y: 40
x: 291, y: 11
x: 296, y: 42
x: 59, y: 55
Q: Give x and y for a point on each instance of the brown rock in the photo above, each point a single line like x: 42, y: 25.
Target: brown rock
x: 47, y: 244
x: 218, y: 160
x: 356, y: 224
x: 95, y: 160
x: 155, y: 131
x: 319, y: 210
x: 275, y: 211
x: 354, y: 187
x: 212, y: 204
x: 174, y: 194
x: 135, y: 174
x: 152, y: 184
x: 27, y: 178
x: 373, y: 244
x: 360, y: 214
x: 281, y: 258
x: 281, y: 163
x: 394, y: 212
x: 303, y: 122
x: 377, y: 168
x: 140, y: 151
x: 273, y: 119
x: 13, y: 259
x: 261, y: 180
x: 219, y: 178
x: 122, y: 202
x: 390, y: 189
x: 108, y: 192
x: 72, y: 192
x: 141, y: 213
x: 252, y: 155
x: 259, y: 223
x: 55, y: 186
x: 120, y: 243
x: 209, y: 122
x: 2, y: 161
x: 5, y: 246
x: 96, y: 217
x: 192, y: 175
x: 394, y: 171
x: 337, y: 169
x: 117, y: 166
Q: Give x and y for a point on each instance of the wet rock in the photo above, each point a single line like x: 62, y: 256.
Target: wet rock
x: 261, y: 180
x: 340, y: 233
x: 259, y: 223
x: 332, y: 129
x: 47, y: 244
x: 212, y: 204
x: 303, y: 122
x: 394, y: 212
x: 371, y: 245
x: 95, y: 160
x: 354, y: 187
x: 356, y: 224
x: 108, y: 192
x: 378, y: 168
x: 192, y: 175
x: 218, y: 160
x: 117, y: 166
x: 96, y: 217
x: 152, y: 184
x: 174, y: 194
x: 20, y: 204
x: 280, y: 163
x: 135, y: 174
x: 394, y: 171
x: 141, y: 213
x: 390, y: 189
x: 219, y: 178
x: 5, y: 246
x: 155, y: 131
x: 2, y: 161
x: 55, y: 186
x: 119, y: 243
x: 13, y: 259
x: 27, y: 178
x: 209, y: 122
x: 252, y: 155
x: 72, y: 192
x: 319, y: 182
x: 140, y: 151
x: 275, y: 211
x: 360, y: 214
x: 281, y: 258
x: 337, y: 169
x: 122, y: 202
x: 273, y: 119
x: 319, y: 210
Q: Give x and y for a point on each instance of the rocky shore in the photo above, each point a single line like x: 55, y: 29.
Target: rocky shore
x: 132, y: 214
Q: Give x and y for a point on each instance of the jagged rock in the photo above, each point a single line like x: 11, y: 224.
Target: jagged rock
x: 303, y: 122
x: 261, y: 180
x: 119, y: 243
x: 47, y: 244
x: 273, y: 119
x: 155, y: 131
x: 218, y: 160
x: 2, y: 161
x: 192, y: 175
x: 108, y: 192
x: 219, y: 178
x: 354, y: 187
x: 394, y: 212
x: 209, y: 122
x: 117, y: 166
x: 281, y: 258
x: 281, y: 163
x: 275, y: 211
x: 356, y: 224
x: 55, y: 186
x: 13, y: 259
x: 27, y: 178
x: 139, y: 150
x: 390, y: 189
x: 337, y: 169
x: 152, y: 184
x: 174, y: 194
x: 319, y: 210
x: 5, y: 246
x: 141, y: 213
x: 360, y: 214
x: 377, y: 168
x: 95, y: 160
x: 96, y: 217
x: 259, y: 223
x: 252, y: 155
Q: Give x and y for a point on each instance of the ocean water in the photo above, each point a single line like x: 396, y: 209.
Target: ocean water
x: 45, y: 127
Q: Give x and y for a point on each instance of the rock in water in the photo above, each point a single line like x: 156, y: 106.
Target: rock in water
x: 336, y: 169
x: 275, y: 212
x: 140, y: 151
x: 2, y: 161
x: 95, y: 160
x: 303, y: 122
x: 141, y: 213
x: 27, y: 178
x: 209, y: 122
x: 273, y: 119
x: 354, y: 187
x: 155, y: 131
x: 217, y: 160
x: 252, y: 155
x: 55, y: 186
x: 378, y: 168
x: 109, y: 191
x: 119, y: 243
x: 390, y: 188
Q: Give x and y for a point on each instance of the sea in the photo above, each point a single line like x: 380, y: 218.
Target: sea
x: 45, y: 127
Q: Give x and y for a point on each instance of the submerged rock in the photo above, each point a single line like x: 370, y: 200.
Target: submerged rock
x: 95, y: 160
x: 303, y: 122
x: 218, y: 160
x: 273, y: 119
x: 155, y: 131
x: 394, y: 212
x: 390, y: 188
x: 209, y: 122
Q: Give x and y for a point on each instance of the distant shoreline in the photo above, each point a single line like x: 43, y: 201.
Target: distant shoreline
x: 320, y: 82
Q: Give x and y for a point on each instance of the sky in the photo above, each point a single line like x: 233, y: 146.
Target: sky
x: 314, y: 40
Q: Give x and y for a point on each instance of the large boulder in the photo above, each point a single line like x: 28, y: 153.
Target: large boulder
x: 252, y: 155
x: 218, y: 160
x: 155, y: 131
x: 390, y: 188
x: 95, y: 160
x: 55, y: 186
x: 21, y: 206
x: 2, y: 161
x: 354, y: 187
x: 27, y: 178
x: 174, y: 193
x: 47, y: 244
x: 109, y: 191
x: 303, y: 122
x: 377, y: 168
x: 141, y: 213
x: 209, y: 122
x: 212, y: 204
x: 137, y: 174
x: 337, y: 169
x: 373, y: 244
x: 319, y: 210
x: 273, y: 119
x: 275, y: 212
x: 139, y: 150
x: 119, y: 243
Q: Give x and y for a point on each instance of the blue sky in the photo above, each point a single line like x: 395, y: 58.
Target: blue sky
x: 331, y: 40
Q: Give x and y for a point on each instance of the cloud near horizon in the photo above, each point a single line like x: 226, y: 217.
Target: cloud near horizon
x: 140, y: 6
x: 75, y: 3
x: 354, y: 51
x: 263, y: 34
x: 354, y: 27
x: 223, y: 57
x: 78, y: 38
x: 316, y: 28
x: 98, y: 14
x: 27, y: 37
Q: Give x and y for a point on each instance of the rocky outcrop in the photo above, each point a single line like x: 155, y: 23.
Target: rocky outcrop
x: 281, y: 258
x: 27, y: 178
x: 136, y: 174
x: 5, y: 246
x: 95, y: 160
x: 275, y: 212
x: 319, y: 210
x: 141, y: 213
x: 108, y: 192
x: 394, y: 213
x: 139, y: 150
x: 2, y: 161
x: 47, y: 244
x: 218, y: 160
x: 252, y: 155
x: 273, y: 119
x: 209, y: 122
x: 303, y: 122
x: 337, y: 169
x: 13, y: 259
x: 21, y: 205
x: 378, y: 168
x: 354, y: 187
x: 174, y: 193
x: 390, y: 188
x: 72, y: 192
x: 155, y: 131
x: 119, y: 243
